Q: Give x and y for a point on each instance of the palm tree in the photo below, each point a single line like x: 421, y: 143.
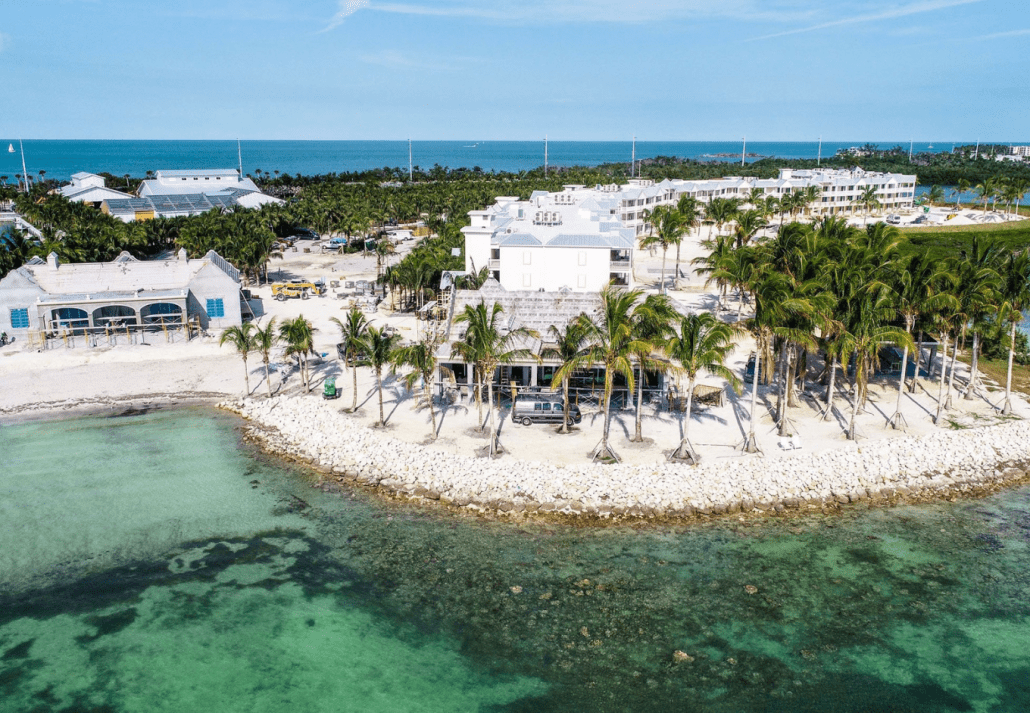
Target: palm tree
x: 485, y: 347
x: 611, y: 345
x: 421, y: 357
x: 749, y: 222
x: 240, y: 337
x: 565, y: 344
x: 978, y: 282
x: 721, y: 211
x: 935, y: 194
x: 1015, y: 291
x: 351, y: 333
x: 917, y: 289
x: 690, y: 211
x: 378, y: 351
x: 961, y: 186
x: 701, y: 345
x: 668, y: 230
x: 865, y: 332
x: 652, y: 325
x: 299, y: 335
x: 986, y: 190
x: 869, y: 202
x: 264, y: 340
x: 717, y: 263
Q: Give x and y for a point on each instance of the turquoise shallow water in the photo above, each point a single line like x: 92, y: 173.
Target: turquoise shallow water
x: 152, y: 563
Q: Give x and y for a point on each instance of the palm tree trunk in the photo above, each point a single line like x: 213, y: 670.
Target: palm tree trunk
x: 664, y: 252
x: 379, y: 388
x: 637, y: 435
x: 896, y: 419
x: 944, y: 371
x: 854, y: 405
x: 477, y: 377
x: 1006, y: 408
x: 751, y: 443
x: 686, y: 450
x: 607, y: 412
x: 246, y: 374
x: 971, y: 386
x: 565, y: 416
x: 951, y: 376
x: 493, y: 427
x: 354, y: 384
x: 429, y: 396
x: 918, y: 356
x: 829, y: 391
x: 268, y: 381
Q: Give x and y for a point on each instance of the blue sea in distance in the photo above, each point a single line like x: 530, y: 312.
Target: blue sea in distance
x: 61, y: 158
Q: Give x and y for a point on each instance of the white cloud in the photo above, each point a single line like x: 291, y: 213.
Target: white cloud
x: 582, y: 11
x: 902, y: 11
x: 347, y: 8
x: 1003, y: 35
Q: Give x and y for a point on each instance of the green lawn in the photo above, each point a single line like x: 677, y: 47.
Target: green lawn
x: 948, y: 240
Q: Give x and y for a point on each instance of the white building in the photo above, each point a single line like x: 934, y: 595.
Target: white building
x: 554, y: 241
x: 79, y: 297
x: 90, y: 188
x: 175, y: 193
x: 1022, y: 151
x: 583, y: 238
x: 838, y: 192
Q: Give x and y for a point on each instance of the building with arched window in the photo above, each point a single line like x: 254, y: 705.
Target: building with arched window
x: 126, y: 293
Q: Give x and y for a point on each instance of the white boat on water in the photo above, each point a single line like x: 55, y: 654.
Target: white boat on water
x: 10, y: 148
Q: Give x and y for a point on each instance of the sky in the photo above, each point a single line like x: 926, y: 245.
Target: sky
x: 691, y: 70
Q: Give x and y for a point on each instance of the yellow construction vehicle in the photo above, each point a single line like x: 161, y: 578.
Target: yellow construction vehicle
x: 296, y: 288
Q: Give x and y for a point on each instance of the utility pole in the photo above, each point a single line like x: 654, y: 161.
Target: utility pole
x: 819, y: 160
x: 743, y: 150
x: 239, y: 155
x: 24, y: 173
x: 910, y: 144
x: 633, y: 160
x: 545, y: 155
x: 409, y: 160
x: 976, y: 154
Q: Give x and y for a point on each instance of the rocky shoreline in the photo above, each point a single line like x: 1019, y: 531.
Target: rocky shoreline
x: 943, y: 464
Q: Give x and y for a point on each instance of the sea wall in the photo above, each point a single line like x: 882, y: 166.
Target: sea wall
x: 937, y: 464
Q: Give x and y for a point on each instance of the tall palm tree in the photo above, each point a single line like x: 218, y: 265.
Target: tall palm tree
x: 565, y: 344
x: 935, y: 195
x: 264, y: 340
x: 717, y: 263
x: 611, y: 345
x: 869, y: 202
x: 652, y: 324
x: 351, y: 333
x: 242, y: 340
x: 668, y: 230
x: 691, y: 212
x: 421, y: 357
x: 867, y: 329
x: 700, y: 345
x: 918, y: 286
x: 299, y: 335
x: 1015, y: 291
x: 378, y: 347
x: 977, y: 293
x: 749, y: 222
x: 721, y: 211
x: 961, y: 186
x: 986, y: 190
x: 486, y: 346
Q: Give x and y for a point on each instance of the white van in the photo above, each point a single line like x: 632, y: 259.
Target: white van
x: 542, y: 408
x: 894, y: 219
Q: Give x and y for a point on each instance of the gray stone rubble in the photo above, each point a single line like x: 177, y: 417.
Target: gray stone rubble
x: 940, y: 463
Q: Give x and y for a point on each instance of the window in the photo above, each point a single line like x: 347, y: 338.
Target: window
x: 582, y: 257
x: 215, y: 308
x: 527, y: 280
x: 20, y: 318
x: 581, y: 281
x: 527, y: 257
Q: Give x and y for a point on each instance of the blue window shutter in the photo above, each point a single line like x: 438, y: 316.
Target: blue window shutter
x: 215, y: 308
x: 20, y: 318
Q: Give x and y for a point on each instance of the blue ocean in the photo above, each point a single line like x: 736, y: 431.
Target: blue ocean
x: 61, y: 158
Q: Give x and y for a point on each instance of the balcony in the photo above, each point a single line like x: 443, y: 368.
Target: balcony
x: 494, y: 264
x: 620, y: 259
